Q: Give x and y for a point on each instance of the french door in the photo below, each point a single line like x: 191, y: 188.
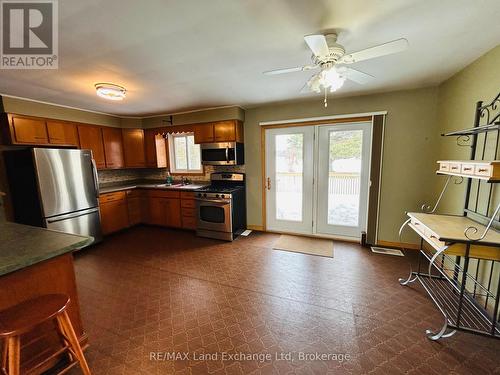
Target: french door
x: 289, y: 165
x: 317, y: 179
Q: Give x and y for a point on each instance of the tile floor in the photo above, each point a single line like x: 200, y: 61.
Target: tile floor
x: 150, y: 290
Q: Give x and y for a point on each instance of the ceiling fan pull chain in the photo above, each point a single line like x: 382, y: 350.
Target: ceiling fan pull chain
x: 325, y: 101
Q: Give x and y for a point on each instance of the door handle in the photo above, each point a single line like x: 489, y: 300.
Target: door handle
x: 269, y: 183
x: 96, y: 178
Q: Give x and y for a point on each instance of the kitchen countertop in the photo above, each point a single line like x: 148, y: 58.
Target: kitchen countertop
x: 148, y: 184
x: 22, y: 245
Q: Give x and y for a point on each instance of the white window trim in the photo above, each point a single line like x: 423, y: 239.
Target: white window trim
x: 171, y: 152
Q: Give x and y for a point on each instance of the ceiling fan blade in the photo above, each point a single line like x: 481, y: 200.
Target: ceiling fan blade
x: 317, y: 44
x: 305, y: 89
x: 388, y: 48
x: 356, y: 75
x: 312, y: 85
x: 290, y: 70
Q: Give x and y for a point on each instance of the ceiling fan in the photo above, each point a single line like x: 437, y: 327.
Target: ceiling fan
x: 330, y: 57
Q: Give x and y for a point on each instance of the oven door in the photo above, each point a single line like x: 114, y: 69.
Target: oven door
x: 214, y: 214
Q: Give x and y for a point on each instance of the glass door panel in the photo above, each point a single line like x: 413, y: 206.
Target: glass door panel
x: 343, y: 171
x: 289, y: 181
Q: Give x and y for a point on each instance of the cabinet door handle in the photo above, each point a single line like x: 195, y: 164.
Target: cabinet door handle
x: 269, y: 183
x: 482, y: 170
x: 467, y: 169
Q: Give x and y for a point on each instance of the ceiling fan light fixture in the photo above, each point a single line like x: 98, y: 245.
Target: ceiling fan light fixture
x: 110, y: 91
x: 330, y: 78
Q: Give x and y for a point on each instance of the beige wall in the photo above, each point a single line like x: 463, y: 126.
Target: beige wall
x: 480, y: 81
x: 457, y: 103
x: 216, y: 114
x: 32, y: 108
x: 409, y: 144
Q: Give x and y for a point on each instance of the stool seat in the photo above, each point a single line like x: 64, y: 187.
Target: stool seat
x: 23, y: 317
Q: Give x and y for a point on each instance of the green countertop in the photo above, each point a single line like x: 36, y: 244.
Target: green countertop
x: 22, y: 245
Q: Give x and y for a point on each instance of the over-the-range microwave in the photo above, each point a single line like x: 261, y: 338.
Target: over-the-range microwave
x: 222, y: 153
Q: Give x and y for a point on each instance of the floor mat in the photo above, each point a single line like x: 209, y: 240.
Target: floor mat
x: 306, y: 245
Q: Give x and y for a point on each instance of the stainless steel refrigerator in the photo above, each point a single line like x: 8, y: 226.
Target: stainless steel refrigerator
x: 56, y: 189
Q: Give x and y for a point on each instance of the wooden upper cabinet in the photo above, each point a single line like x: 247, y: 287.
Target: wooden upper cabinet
x: 134, y: 148
x: 113, y: 147
x: 90, y: 138
x: 156, y: 149
x: 25, y: 130
x: 220, y: 131
x: 204, y: 133
x: 224, y: 131
x: 62, y: 133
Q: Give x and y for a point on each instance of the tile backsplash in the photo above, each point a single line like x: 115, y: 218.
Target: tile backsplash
x: 117, y: 175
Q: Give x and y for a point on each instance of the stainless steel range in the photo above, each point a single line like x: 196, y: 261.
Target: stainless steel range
x: 221, y: 207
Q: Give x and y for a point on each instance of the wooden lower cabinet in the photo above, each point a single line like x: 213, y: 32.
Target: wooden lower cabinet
x: 156, y: 214
x: 136, y: 212
x: 123, y: 209
x: 165, y: 212
x: 188, y: 210
x: 114, y: 212
x: 173, y: 212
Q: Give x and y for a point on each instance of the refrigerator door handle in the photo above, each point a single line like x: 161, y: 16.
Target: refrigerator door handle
x: 96, y: 178
x: 71, y: 215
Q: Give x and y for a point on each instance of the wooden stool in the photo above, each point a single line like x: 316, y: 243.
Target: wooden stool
x: 23, y: 317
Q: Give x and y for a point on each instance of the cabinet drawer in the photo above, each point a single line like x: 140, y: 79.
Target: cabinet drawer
x: 467, y: 169
x: 189, y: 222
x: 455, y: 167
x: 188, y: 203
x: 433, y: 239
x: 483, y: 170
x: 188, y: 212
x: 163, y: 194
x: 109, y: 197
x: 445, y: 167
x: 133, y: 193
x: 417, y: 225
x: 187, y: 195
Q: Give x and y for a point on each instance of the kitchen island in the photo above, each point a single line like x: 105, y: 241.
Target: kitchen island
x: 36, y: 261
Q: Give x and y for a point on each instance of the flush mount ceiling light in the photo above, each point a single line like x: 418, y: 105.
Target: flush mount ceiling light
x: 110, y: 91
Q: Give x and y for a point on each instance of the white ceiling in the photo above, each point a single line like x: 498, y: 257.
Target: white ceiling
x: 187, y: 54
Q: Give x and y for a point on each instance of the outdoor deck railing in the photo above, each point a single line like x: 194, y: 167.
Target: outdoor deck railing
x: 338, y: 183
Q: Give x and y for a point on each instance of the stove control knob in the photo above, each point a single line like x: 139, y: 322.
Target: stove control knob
x: 199, y: 194
x: 217, y: 196
x: 222, y: 196
x: 205, y: 195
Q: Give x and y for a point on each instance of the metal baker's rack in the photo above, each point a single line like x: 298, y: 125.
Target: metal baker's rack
x: 465, y: 285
